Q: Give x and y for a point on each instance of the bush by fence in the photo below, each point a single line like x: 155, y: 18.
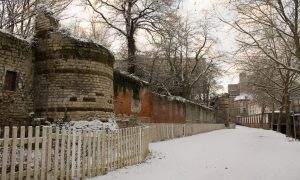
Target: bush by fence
x: 54, y: 153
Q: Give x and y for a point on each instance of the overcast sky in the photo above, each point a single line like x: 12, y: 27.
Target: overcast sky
x: 195, y: 10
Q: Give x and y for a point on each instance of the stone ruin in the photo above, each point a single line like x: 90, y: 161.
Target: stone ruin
x: 55, y: 76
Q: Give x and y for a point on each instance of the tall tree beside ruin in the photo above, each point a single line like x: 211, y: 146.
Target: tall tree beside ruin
x: 129, y: 16
x: 187, y: 54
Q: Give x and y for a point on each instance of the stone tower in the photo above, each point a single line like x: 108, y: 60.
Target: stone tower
x: 73, y: 77
x: 243, y: 83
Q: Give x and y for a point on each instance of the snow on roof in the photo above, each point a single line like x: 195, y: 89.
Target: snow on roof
x: 243, y: 96
x: 28, y: 40
x: 65, y: 32
x: 183, y: 100
x: 132, y: 76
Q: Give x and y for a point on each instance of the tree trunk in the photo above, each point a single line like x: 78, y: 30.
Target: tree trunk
x: 288, y: 117
x: 279, y: 120
x: 186, y: 92
x: 131, y: 57
x: 261, y: 122
x: 272, y: 120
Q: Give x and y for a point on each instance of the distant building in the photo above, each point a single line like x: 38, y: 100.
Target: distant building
x: 240, y: 103
x: 233, y: 90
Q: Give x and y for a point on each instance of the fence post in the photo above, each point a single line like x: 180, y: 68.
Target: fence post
x: 62, y: 157
x: 140, y: 143
x: 22, y: 138
x: 80, y: 134
x: 29, y: 152
x: 49, y: 153
x: 36, y: 152
x: 74, y: 133
x: 13, y: 153
x: 5, y: 152
x: 56, y: 150
x: 44, y: 151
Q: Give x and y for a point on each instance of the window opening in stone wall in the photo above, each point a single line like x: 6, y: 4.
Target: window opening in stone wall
x: 10, y: 81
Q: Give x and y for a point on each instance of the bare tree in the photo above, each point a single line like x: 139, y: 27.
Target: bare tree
x: 91, y: 29
x: 268, y: 36
x: 129, y: 16
x: 272, y: 84
x: 184, y: 61
x: 280, y: 17
x: 17, y: 16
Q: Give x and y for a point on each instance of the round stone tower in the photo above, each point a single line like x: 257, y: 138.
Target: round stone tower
x: 73, y: 77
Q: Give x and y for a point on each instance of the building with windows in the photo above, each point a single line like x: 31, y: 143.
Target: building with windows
x: 240, y: 103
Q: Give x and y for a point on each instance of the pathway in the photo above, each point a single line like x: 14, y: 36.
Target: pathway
x: 230, y: 154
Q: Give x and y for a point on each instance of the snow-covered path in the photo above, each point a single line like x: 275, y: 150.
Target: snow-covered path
x: 230, y: 154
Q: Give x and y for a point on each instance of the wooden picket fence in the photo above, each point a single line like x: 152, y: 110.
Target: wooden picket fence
x: 54, y: 153
x: 165, y: 131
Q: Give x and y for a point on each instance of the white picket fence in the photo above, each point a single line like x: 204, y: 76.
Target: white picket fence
x: 54, y: 153
x: 161, y: 131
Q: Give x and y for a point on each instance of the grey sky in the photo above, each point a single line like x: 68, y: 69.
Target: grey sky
x: 194, y: 10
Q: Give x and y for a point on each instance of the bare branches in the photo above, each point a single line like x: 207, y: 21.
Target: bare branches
x: 189, y: 59
x: 17, y: 16
x: 129, y: 16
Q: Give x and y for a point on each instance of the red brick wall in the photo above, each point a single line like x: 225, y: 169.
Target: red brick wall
x: 145, y: 100
x: 130, y: 95
x: 122, y: 102
x: 153, y: 108
x: 165, y: 111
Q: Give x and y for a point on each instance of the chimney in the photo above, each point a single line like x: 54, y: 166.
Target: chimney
x: 45, y: 22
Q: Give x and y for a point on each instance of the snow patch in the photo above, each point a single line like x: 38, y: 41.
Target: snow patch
x: 28, y: 40
x: 90, y: 125
x: 133, y: 77
x: 243, y: 96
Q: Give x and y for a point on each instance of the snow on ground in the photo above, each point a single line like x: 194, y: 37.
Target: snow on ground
x: 230, y: 154
x: 91, y: 124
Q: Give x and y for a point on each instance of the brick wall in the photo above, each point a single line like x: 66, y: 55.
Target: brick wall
x: 15, y: 57
x: 132, y: 94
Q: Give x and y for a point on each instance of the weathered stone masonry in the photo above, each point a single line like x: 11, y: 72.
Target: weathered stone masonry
x: 15, y: 57
x: 71, y: 76
x: 56, y: 77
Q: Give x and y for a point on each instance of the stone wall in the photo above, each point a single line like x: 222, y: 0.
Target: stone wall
x: 222, y: 109
x: 133, y: 99
x: 74, y: 78
x: 15, y: 101
x: 196, y: 113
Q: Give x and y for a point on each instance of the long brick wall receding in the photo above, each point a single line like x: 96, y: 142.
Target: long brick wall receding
x: 133, y: 99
